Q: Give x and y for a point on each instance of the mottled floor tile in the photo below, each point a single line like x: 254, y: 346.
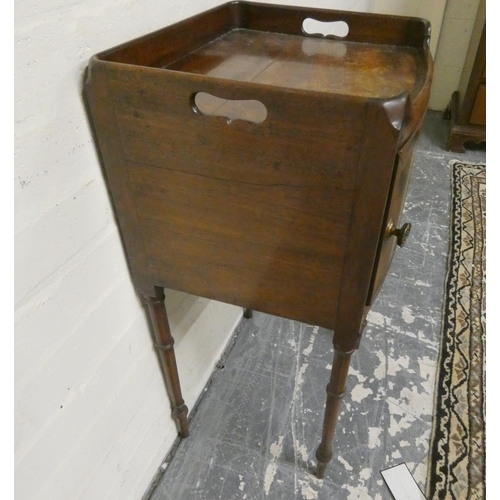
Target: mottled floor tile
x: 256, y: 429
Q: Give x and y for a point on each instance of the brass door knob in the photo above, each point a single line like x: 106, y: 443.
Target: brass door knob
x: 401, y: 234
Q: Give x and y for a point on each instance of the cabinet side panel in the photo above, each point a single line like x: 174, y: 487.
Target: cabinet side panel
x: 260, y: 246
x: 374, y: 174
x: 363, y: 27
x: 253, y: 214
x: 100, y: 104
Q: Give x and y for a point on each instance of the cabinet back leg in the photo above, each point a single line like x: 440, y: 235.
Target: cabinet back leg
x: 334, y: 394
x: 164, y: 343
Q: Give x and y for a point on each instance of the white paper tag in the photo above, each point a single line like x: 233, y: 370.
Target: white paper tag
x: 401, y: 483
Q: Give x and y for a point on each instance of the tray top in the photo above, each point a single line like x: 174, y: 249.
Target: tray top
x: 308, y: 63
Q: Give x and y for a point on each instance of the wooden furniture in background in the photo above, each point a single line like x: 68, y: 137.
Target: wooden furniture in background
x: 467, y: 113
x: 255, y: 164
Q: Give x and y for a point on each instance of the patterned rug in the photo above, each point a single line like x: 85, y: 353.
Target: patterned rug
x: 457, y: 453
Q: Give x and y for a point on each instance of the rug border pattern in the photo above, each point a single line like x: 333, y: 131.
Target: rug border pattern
x: 457, y: 451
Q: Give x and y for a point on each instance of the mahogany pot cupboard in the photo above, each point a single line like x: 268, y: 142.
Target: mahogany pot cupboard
x: 257, y: 161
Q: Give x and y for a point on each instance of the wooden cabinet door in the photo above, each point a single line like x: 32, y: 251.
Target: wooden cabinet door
x: 397, y: 196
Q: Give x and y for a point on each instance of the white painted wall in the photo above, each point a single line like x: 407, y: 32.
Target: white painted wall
x: 91, y: 412
x: 92, y: 416
x: 458, y: 28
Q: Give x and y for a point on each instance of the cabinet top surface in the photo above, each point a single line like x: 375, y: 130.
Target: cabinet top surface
x: 307, y: 63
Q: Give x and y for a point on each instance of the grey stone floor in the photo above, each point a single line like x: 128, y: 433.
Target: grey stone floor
x: 255, y: 431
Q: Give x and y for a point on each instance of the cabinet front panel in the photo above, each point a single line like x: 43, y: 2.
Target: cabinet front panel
x: 393, y: 215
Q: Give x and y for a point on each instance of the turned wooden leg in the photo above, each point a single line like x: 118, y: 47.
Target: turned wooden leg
x: 247, y: 313
x: 165, y: 345
x: 334, y: 394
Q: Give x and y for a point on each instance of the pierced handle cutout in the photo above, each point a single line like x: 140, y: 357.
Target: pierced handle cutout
x: 335, y: 28
x: 248, y: 110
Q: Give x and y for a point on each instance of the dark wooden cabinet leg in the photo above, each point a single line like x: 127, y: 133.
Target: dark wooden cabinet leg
x: 334, y: 394
x: 247, y: 313
x: 164, y: 342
